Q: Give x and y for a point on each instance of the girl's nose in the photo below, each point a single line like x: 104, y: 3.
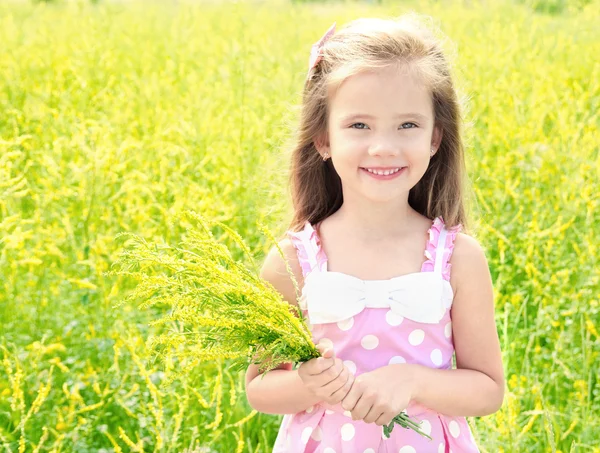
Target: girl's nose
x: 384, y: 146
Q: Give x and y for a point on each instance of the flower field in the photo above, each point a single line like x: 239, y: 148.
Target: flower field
x: 117, y: 116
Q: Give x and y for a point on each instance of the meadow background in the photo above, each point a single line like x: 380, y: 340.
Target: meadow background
x: 115, y: 116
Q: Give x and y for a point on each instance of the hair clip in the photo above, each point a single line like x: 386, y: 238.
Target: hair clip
x: 315, y: 51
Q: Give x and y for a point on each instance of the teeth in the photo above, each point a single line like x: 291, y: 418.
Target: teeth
x: 383, y: 173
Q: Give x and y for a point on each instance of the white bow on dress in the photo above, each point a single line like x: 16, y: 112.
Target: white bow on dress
x: 335, y: 296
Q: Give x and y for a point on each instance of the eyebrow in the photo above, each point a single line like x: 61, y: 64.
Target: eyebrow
x: 355, y: 116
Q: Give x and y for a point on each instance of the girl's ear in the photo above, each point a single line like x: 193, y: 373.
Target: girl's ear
x: 322, y: 145
x: 436, y: 137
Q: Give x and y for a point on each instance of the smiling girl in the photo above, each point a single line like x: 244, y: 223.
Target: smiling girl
x: 391, y: 287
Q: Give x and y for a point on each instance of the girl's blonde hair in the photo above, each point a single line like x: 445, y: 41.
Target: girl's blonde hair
x: 363, y: 45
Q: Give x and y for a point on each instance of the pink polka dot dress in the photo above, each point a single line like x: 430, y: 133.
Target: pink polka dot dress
x: 375, y: 323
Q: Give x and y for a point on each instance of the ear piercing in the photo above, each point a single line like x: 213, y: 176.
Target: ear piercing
x: 432, y: 151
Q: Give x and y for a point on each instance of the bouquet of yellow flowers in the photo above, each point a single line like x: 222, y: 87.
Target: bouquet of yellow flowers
x: 221, y: 309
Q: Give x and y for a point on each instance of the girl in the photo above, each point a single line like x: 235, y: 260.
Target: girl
x: 376, y: 178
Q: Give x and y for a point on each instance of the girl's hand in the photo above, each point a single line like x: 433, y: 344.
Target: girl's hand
x: 379, y: 395
x: 326, y: 377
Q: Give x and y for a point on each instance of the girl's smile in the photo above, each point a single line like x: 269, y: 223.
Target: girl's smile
x: 384, y: 175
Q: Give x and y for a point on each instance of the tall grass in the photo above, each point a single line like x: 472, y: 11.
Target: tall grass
x: 116, y: 116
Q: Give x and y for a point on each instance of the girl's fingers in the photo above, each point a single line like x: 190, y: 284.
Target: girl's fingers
x: 329, y: 375
x: 362, y: 408
x: 326, y: 350
x: 339, y: 394
x: 351, y: 399
x: 319, y: 365
x: 384, y: 419
x: 373, y: 415
x: 323, y: 363
x: 337, y: 375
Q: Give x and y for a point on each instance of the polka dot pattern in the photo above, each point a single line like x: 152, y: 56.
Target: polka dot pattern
x: 426, y: 426
x: 346, y: 324
x: 396, y: 359
x: 416, y: 337
x: 306, y: 432
x: 436, y: 357
x: 326, y: 342
x: 317, y: 434
x: 454, y: 429
x: 408, y: 449
x: 348, y: 432
x: 393, y: 318
x: 369, y: 342
x: 448, y: 330
x: 376, y: 337
x: 350, y: 365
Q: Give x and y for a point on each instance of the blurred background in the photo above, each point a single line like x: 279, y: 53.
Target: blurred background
x: 116, y: 115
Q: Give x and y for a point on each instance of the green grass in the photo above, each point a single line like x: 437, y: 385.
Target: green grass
x: 116, y: 116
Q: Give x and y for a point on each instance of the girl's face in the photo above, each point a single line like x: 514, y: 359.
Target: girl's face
x: 380, y: 120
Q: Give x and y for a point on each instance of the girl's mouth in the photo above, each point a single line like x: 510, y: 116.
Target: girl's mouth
x: 385, y: 177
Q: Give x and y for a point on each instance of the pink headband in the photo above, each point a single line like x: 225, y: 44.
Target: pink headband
x: 315, y: 51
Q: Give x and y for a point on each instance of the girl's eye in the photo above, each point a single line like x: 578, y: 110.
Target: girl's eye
x: 364, y: 126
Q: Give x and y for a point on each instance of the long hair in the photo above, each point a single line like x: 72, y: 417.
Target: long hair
x: 362, y: 45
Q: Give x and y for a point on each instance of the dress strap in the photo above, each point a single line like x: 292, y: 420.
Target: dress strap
x: 439, y: 251
x: 308, y: 247
x: 439, y: 248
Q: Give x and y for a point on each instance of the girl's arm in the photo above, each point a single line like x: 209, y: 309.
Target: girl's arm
x: 280, y: 391
x: 476, y: 387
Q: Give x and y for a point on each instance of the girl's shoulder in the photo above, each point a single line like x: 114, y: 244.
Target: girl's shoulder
x: 279, y: 265
x: 466, y: 246
x: 468, y: 256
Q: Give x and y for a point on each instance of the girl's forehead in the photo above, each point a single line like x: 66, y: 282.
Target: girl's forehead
x: 381, y: 90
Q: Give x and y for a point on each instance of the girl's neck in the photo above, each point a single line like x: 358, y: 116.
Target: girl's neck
x: 372, y: 223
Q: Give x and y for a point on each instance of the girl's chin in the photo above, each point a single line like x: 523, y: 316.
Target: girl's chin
x: 382, y: 197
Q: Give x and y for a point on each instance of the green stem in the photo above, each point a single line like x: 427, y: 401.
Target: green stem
x: 404, y: 421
